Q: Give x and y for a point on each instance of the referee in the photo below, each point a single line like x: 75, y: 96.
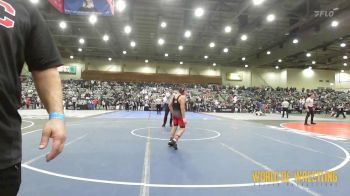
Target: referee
x: 309, y: 106
x: 167, y: 100
x: 285, y: 107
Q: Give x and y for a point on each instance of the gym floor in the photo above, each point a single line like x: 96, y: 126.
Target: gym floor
x: 126, y: 153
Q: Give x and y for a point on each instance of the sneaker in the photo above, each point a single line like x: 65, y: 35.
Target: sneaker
x: 174, y: 145
x: 313, y: 123
x: 306, y: 124
x: 163, y: 125
x: 171, y: 142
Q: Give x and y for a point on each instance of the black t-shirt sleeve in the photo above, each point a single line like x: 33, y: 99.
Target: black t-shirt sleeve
x: 40, y: 50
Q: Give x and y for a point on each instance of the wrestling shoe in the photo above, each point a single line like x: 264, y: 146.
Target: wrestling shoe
x: 171, y: 142
x: 174, y: 144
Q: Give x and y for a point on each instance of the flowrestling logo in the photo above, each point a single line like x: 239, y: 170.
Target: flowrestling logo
x: 321, y: 13
x: 9, y: 10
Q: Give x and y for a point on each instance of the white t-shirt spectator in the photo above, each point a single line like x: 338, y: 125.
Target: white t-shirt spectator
x: 235, y: 99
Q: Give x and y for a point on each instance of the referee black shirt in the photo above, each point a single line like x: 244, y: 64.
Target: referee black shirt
x: 24, y: 37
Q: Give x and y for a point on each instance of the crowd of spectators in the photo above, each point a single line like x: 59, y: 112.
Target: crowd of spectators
x: 113, y: 95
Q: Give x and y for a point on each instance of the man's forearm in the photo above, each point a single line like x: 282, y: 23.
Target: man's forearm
x: 48, y: 85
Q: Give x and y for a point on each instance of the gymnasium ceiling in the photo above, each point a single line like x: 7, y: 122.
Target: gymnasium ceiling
x: 294, y: 19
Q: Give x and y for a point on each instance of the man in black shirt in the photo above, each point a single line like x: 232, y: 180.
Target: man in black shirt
x: 24, y: 37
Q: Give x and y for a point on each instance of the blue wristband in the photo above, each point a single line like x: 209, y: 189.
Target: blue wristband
x: 56, y: 115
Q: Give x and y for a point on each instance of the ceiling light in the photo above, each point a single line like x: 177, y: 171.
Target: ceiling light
x: 308, y: 54
x: 268, y: 52
x: 335, y: 23
x: 225, y: 50
x: 180, y: 47
x: 214, y: 64
x: 82, y: 41
x: 206, y: 57
x: 34, y: 1
x: 246, y: 66
x: 161, y: 41
x: 105, y: 38
x: 243, y: 58
x: 313, y: 62
x: 124, y: 52
x: 277, y: 67
x: 127, y: 29
x: 133, y: 44
x: 166, y: 54
x: 228, y: 29
x: 345, y: 64
x: 244, y: 37
x: 295, y: 41
x: 345, y: 57
x: 71, y: 57
x: 163, y: 24
x: 181, y: 62
x: 270, y: 18
x: 188, y: 34
x: 63, y: 25
x: 120, y: 5
x: 109, y: 59
x: 342, y: 71
x: 93, y: 19
x: 212, y: 45
x: 80, y: 49
x: 280, y: 60
x: 146, y: 61
x: 343, y: 45
x: 199, y: 12
x: 258, y: 2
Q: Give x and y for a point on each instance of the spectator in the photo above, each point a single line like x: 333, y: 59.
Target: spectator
x: 201, y: 98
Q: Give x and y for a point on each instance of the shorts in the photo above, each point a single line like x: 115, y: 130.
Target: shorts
x: 10, y: 180
x: 178, y: 121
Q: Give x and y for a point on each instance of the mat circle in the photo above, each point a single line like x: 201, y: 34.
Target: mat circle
x: 217, y: 134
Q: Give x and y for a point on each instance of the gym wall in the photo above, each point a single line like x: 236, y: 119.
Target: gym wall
x: 311, y: 78
x: 342, y: 80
